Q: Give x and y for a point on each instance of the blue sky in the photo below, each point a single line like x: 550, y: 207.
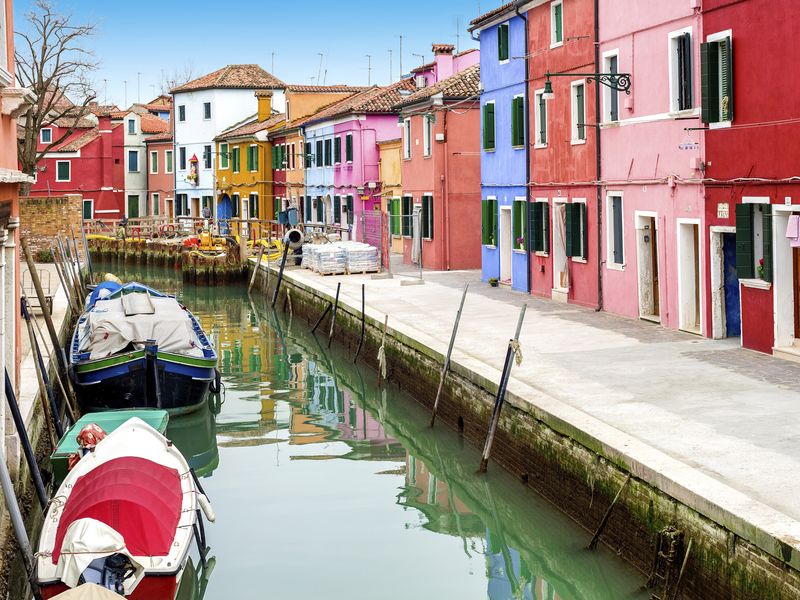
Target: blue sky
x: 156, y: 37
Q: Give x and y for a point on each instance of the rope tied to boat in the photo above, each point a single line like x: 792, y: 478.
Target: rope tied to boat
x: 516, y: 348
x: 382, y: 349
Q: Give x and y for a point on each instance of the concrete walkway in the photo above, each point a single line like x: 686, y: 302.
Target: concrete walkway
x: 711, y: 424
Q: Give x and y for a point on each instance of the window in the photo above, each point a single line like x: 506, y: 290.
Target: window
x: 348, y: 148
x: 182, y: 159
x: 328, y: 153
x: 131, y: 126
x: 541, y: 119
x: 519, y: 217
x: 616, y: 254
x: 224, y: 157
x: 518, y: 122
x: 578, y: 112
x: 408, y: 211
x: 46, y: 135
x: 337, y: 150
x: 182, y: 113
x: 156, y: 200
x: 337, y: 208
x: 577, y: 240
x: 680, y: 70
x: 319, y: 158
x: 133, y: 206
x: 556, y: 23
x: 427, y: 217
x: 292, y: 157
x: 488, y: 126
x: 236, y: 204
x: 254, y: 204
x: 181, y: 205
x: 611, y: 97
x: 502, y: 42
x: 407, y: 139
x: 716, y: 76
x: 133, y: 161
x: 206, y: 110
x: 540, y: 226
x: 153, y: 162
x: 168, y: 167
x: 308, y: 207
x: 320, y: 210
x: 252, y: 157
x: 207, y: 157
x: 88, y: 210
x: 427, y: 134
x: 489, y: 222
x: 350, y: 210
x: 309, y: 158
x: 394, y: 216
x: 236, y: 159
x: 753, y: 238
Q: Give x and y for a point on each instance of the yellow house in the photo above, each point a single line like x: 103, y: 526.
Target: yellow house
x: 391, y: 169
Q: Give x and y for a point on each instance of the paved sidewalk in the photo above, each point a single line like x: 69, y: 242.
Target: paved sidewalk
x: 711, y: 418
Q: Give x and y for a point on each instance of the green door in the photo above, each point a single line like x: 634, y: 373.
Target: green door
x: 133, y: 207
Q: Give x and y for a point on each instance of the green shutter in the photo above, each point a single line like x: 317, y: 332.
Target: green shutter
x: 494, y: 216
x: 350, y: 214
x: 726, y: 79
x: 542, y: 119
x: 484, y: 222
x: 546, y: 226
x: 744, y: 241
x: 766, y: 221
x: 518, y: 122
x: 348, y: 148
x: 584, y: 217
x: 573, y: 228
x: 558, y: 9
x: 488, y: 127
x: 337, y: 209
x: 394, y: 207
x: 580, y: 101
x: 537, y: 227
x: 709, y: 81
x: 502, y: 42
x: 337, y: 150
x: 249, y: 159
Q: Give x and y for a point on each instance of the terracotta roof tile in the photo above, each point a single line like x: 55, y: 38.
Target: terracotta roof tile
x: 152, y: 124
x: 465, y: 84
x: 159, y: 137
x: 325, y: 89
x: 101, y: 110
x: 86, y: 121
x: 233, y: 77
x: 250, y: 126
x: 486, y: 17
x: 77, y: 142
x: 374, y: 100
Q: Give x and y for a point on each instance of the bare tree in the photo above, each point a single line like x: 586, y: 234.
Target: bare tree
x: 177, y: 77
x: 54, y: 64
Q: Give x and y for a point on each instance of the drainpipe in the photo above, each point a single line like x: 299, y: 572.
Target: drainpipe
x: 599, y: 164
x: 529, y: 276
x: 445, y: 191
x: 3, y: 265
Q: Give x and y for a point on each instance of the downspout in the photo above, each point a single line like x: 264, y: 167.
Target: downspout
x: 529, y: 276
x: 599, y: 164
x: 445, y: 192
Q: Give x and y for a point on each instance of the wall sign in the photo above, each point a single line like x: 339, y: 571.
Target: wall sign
x: 723, y: 210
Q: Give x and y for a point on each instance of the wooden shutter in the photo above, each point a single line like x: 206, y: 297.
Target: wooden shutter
x: 427, y: 217
x: 766, y: 222
x: 350, y: 215
x: 502, y: 42
x: 488, y: 127
x: 744, y: 242
x: 537, y: 227
x: 494, y: 218
x: 685, y: 71
x: 309, y: 156
x: 584, y: 216
x: 558, y: 9
x: 546, y: 226
x: 573, y: 229
x: 709, y: 82
x: 726, y: 79
x: 319, y: 159
x: 337, y: 150
x: 348, y: 148
x: 542, y: 119
x: 518, y: 122
x: 485, y: 222
x: 619, y: 249
x: 580, y: 113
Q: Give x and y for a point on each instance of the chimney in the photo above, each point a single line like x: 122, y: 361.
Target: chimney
x: 264, y: 98
x: 443, y: 56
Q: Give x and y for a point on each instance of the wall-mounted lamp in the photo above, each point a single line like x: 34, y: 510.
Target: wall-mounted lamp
x: 620, y: 82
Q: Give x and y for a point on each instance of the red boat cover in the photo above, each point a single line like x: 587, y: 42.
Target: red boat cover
x: 137, y: 497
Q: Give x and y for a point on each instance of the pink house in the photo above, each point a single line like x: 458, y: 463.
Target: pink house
x: 652, y: 160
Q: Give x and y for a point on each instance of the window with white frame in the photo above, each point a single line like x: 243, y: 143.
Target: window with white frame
x: 207, y: 157
x: 168, y: 162
x: 556, y: 23
x: 88, y: 209
x: 182, y: 113
x: 131, y: 126
x: 680, y: 70
x: 45, y: 135
x: 407, y: 139
x: 577, y: 230
x: 182, y: 159
x: 224, y: 157
x: 502, y: 42
x: 610, y: 97
x: 615, y: 237
x: 716, y: 74
x: 427, y: 136
x: 206, y: 110
x: 754, y: 238
x: 578, y: 93
x: 133, y: 161
x: 3, y: 35
x: 540, y: 226
x: 154, y: 162
x: 540, y: 116
x: 156, y: 200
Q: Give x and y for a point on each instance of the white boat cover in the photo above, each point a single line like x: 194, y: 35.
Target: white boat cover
x: 86, y: 540
x: 110, y: 330
x: 87, y: 591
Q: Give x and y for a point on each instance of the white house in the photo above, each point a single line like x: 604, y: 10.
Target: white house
x: 138, y: 125
x: 203, y: 109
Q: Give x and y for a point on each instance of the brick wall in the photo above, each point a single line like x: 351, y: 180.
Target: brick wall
x: 42, y: 219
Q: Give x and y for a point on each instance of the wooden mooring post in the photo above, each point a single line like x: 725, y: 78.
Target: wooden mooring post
x: 363, y: 322
x: 257, y: 268
x: 446, y: 364
x: 333, y: 315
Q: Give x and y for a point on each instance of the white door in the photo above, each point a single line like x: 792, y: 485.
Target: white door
x: 689, y: 276
x: 560, y: 262
x: 506, y: 243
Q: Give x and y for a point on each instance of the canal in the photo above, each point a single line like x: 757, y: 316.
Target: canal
x: 328, y: 486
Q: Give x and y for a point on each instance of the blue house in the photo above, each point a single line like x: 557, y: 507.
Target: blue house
x: 504, y: 148
x: 318, y: 203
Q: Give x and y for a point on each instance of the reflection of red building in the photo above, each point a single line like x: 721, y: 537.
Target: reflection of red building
x: 358, y: 424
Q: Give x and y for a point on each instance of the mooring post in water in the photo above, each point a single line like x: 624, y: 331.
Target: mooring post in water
x: 333, y: 315
x: 48, y: 318
x: 511, y: 352
x: 593, y: 544
x: 382, y: 352
x: 363, y: 322
x: 25, y: 441
x: 57, y: 263
x: 446, y: 364
x: 322, y: 316
x: 77, y: 259
x: 257, y: 268
x: 280, y: 272
x: 152, y: 386
x: 89, y: 266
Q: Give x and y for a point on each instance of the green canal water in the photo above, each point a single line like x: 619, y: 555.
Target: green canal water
x: 326, y: 486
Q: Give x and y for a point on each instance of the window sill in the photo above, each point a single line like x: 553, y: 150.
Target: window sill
x: 720, y: 125
x: 542, y: 254
x: 504, y: 61
x: 615, y: 266
x: 490, y: 246
x: 539, y: 146
x: 577, y: 142
x: 518, y: 251
x: 556, y: 44
x: 756, y: 284
x: 522, y: 147
x: 489, y: 149
x: 686, y: 112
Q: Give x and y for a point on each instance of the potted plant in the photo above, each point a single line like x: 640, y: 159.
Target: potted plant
x: 760, y: 269
x: 493, y: 281
x: 520, y: 243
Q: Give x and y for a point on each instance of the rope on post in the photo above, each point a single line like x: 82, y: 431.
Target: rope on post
x: 382, y: 352
x: 333, y: 316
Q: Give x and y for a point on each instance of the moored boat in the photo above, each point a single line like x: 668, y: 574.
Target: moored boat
x: 125, y: 518
x: 135, y: 347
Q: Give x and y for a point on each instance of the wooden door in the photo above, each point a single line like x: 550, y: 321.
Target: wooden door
x: 654, y: 267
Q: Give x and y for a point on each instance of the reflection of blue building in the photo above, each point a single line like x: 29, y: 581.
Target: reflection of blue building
x: 509, y: 575
x: 503, y: 147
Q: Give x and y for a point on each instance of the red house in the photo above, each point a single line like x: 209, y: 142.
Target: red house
x: 441, y: 164
x: 88, y: 162
x: 752, y: 194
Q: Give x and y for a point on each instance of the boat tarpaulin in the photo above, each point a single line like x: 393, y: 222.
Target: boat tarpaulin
x: 138, y: 498
x: 111, y: 330
x: 86, y: 540
x: 87, y: 591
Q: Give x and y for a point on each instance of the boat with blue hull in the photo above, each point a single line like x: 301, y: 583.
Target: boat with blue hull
x: 136, y: 347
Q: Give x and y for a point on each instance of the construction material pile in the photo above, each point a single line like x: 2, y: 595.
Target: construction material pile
x: 341, y: 257
x: 362, y: 258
